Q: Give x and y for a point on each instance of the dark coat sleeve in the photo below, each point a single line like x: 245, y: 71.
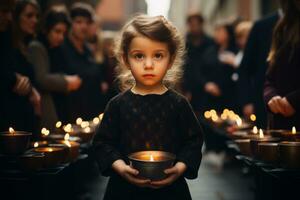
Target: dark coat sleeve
x: 106, y: 140
x: 190, y: 152
x: 294, y: 99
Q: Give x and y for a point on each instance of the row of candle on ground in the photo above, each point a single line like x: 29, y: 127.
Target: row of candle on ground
x: 277, y: 147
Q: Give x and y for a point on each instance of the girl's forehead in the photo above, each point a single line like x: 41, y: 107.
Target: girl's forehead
x: 144, y: 43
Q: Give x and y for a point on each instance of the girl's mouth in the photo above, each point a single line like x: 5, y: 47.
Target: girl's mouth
x: 148, y: 75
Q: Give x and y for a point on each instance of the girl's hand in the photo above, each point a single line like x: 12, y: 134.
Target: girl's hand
x: 129, y: 173
x: 173, y: 174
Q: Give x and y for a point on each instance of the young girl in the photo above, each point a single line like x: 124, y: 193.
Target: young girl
x: 148, y: 115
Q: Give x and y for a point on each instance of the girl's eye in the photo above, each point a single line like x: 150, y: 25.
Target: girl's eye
x: 138, y: 56
x: 158, y: 56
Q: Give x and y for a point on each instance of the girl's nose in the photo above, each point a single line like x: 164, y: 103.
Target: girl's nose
x: 148, y: 63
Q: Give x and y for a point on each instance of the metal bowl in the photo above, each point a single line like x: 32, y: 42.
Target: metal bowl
x: 289, y: 154
x: 268, y: 152
x: 255, y: 141
x: 244, y: 146
x: 153, y: 170
x: 14, y: 143
x: 32, y: 161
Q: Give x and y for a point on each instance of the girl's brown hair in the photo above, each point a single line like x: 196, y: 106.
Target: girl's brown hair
x: 156, y: 28
x: 286, y: 34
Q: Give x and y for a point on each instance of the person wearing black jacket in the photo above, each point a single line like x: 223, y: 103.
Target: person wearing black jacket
x: 79, y: 60
x: 253, y: 68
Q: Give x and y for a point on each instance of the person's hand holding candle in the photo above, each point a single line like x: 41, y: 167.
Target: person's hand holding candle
x: 173, y: 174
x: 129, y: 173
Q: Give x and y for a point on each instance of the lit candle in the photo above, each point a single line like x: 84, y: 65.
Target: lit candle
x: 253, y: 117
x: 151, y: 164
x: 78, y: 121
x: 294, y: 130
x: 58, y: 124
x: 14, y: 142
x: 261, y: 133
x: 255, y: 130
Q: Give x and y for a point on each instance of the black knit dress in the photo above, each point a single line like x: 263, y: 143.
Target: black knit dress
x: 134, y: 122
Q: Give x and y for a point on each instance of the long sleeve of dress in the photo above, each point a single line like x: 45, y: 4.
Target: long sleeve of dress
x: 190, y: 152
x: 46, y: 80
x: 107, y: 139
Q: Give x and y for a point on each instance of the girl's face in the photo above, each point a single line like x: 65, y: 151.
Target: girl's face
x: 29, y: 19
x: 149, y: 61
x: 57, y: 34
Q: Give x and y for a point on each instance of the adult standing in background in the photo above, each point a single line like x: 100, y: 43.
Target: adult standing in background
x: 253, y: 69
x: 282, y: 86
x: 22, y: 111
x: 196, y: 79
x: 54, y: 28
x: 78, y: 59
x: 11, y: 83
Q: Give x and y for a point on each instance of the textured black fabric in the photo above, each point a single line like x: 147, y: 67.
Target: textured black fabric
x: 134, y: 122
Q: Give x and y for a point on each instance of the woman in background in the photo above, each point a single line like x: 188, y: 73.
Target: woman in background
x: 282, y: 86
x: 54, y: 29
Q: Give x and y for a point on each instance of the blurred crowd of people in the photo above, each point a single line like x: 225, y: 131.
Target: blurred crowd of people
x: 57, y: 66
x: 53, y: 65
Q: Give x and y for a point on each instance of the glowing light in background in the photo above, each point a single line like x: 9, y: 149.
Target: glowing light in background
x: 158, y: 7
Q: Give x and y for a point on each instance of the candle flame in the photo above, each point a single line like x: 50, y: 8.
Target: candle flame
x: 84, y: 124
x: 96, y: 120
x: 294, y: 130
x: 67, y: 137
x: 87, y: 129
x: 101, y: 116
x: 11, y: 130
x: 239, y: 121
x: 78, y: 121
x: 36, y: 144
x: 255, y: 130
x: 151, y: 157
x: 261, y: 133
x: 58, y: 124
x: 215, y: 117
x: 207, y: 114
x: 253, y: 117
x: 50, y: 149
x: 45, y: 131
x: 68, y: 128
x: 67, y: 143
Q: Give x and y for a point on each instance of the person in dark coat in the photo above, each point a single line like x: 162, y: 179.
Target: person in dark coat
x: 54, y: 28
x: 78, y: 59
x: 253, y: 69
x: 21, y: 111
x: 282, y: 86
x: 196, y: 74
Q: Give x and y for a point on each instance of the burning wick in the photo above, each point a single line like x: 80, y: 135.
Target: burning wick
x: 294, y: 130
x: 78, y: 121
x: 58, y: 124
x: 255, y: 130
x: 67, y: 136
x: 36, y: 144
x: 261, y: 133
x: 253, y: 117
x: 45, y: 132
x: 96, y: 120
x: 151, y: 157
x: 87, y: 129
x: 11, y: 130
